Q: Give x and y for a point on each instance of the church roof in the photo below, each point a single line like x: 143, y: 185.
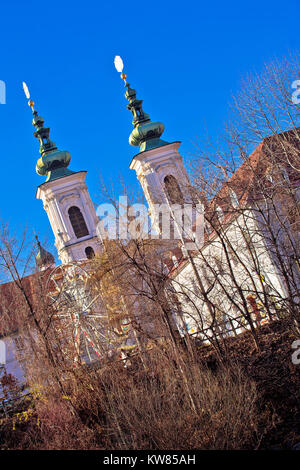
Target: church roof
x: 244, y: 181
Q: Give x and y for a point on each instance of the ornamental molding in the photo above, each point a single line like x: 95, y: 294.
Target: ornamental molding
x: 68, y: 196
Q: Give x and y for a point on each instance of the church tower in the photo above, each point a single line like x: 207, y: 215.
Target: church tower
x: 65, y: 198
x: 158, y: 165
x: 44, y: 259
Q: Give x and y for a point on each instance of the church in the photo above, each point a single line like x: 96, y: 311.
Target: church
x: 64, y: 193
x: 244, y: 268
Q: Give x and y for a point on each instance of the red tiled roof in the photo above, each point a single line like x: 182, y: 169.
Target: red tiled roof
x: 243, y: 181
x: 11, y: 302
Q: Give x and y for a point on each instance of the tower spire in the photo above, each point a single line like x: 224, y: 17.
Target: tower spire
x: 43, y: 258
x: 146, y: 134
x: 53, y: 162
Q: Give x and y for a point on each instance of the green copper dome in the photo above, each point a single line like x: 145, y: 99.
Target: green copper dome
x: 53, y: 162
x: 146, y: 134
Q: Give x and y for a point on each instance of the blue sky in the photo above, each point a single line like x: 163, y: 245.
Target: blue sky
x: 185, y: 59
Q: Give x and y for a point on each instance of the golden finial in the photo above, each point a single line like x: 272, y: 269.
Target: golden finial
x: 31, y: 104
x: 27, y: 94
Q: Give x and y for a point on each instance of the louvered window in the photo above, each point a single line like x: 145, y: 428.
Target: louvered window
x: 78, y: 222
x: 173, y: 190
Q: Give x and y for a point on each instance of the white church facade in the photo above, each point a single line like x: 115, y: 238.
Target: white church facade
x: 222, y: 268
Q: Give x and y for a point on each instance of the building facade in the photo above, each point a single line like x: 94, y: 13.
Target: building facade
x: 245, y: 265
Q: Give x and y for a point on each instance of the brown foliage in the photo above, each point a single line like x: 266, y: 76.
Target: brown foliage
x: 130, y: 408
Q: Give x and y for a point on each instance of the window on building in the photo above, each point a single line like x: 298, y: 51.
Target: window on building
x: 220, y: 213
x: 89, y: 252
x: 234, y: 199
x: 207, y: 227
x: 173, y: 190
x: 175, y: 261
x: 78, y: 222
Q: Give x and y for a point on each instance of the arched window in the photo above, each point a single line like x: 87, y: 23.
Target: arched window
x: 175, y: 261
x: 78, y: 222
x: 89, y: 252
x: 220, y: 213
x: 207, y: 227
x: 173, y: 190
x: 234, y: 198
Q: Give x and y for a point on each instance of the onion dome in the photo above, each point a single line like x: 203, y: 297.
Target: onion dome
x: 44, y: 258
x: 53, y: 163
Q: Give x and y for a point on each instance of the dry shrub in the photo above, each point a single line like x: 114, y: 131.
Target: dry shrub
x: 119, y: 408
x: 155, y: 412
x: 60, y: 427
x: 229, y: 416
